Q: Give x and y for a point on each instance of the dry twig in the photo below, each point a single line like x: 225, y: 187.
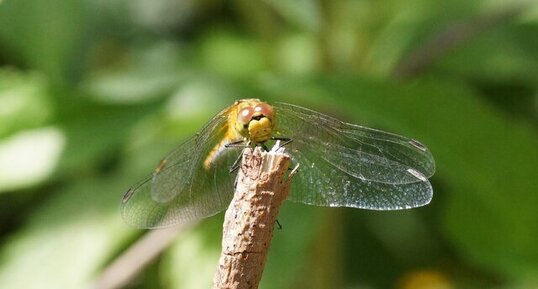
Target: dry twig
x: 120, y: 272
x: 261, y: 188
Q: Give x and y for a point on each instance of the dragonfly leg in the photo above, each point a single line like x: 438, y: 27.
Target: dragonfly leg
x: 278, y: 224
x: 235, y: 183
x: 237, y: 144
x: 285, y: 140
x: 236, y: 164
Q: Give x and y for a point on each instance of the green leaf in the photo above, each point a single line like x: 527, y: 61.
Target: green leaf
x: 230, y: 55
x: 506, y: 54
x: 30, y: 157
x: 192, y: 261
x: 93, y: 131
x: 303, y: 13
x: 25, y: 101
x: 67, y: 239
x: 42, y: 33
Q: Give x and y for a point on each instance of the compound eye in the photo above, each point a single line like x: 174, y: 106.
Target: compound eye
x: 265, y: 109
x: 245, y: 115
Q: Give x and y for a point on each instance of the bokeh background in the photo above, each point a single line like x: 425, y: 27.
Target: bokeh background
x: 94, y: 93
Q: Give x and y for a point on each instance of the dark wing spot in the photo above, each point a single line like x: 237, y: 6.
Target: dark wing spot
x: 127, y: 195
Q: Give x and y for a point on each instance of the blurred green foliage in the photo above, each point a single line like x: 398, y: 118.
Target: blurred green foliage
x: 94, y: 93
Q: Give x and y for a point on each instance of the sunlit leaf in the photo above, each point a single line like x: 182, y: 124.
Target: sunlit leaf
x: 144, y: 74
x: 24, y: 101
x: 29, y: 157
x: 231, y: 55
x: 192, y: 261
x: 304, y: 13
x: 66, y: 240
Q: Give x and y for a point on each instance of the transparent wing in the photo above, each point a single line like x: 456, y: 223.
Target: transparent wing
x: 353, y: 166
x: 181, y: 189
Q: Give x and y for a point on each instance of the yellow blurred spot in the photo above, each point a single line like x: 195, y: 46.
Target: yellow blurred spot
x: 425, y: 279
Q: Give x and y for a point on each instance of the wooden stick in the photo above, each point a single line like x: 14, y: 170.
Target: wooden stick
x: 261, y: 187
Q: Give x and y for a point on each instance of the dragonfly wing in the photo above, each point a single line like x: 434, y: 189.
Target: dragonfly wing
x: 348, y: 165
x: 182, y: 189
x: 320, y: 183
x: 398, y: 151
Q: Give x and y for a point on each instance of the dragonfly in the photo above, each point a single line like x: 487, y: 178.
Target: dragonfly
x: 341, y: 165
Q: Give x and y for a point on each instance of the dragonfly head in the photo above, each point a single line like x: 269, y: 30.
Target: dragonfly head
x: 255, y: 121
